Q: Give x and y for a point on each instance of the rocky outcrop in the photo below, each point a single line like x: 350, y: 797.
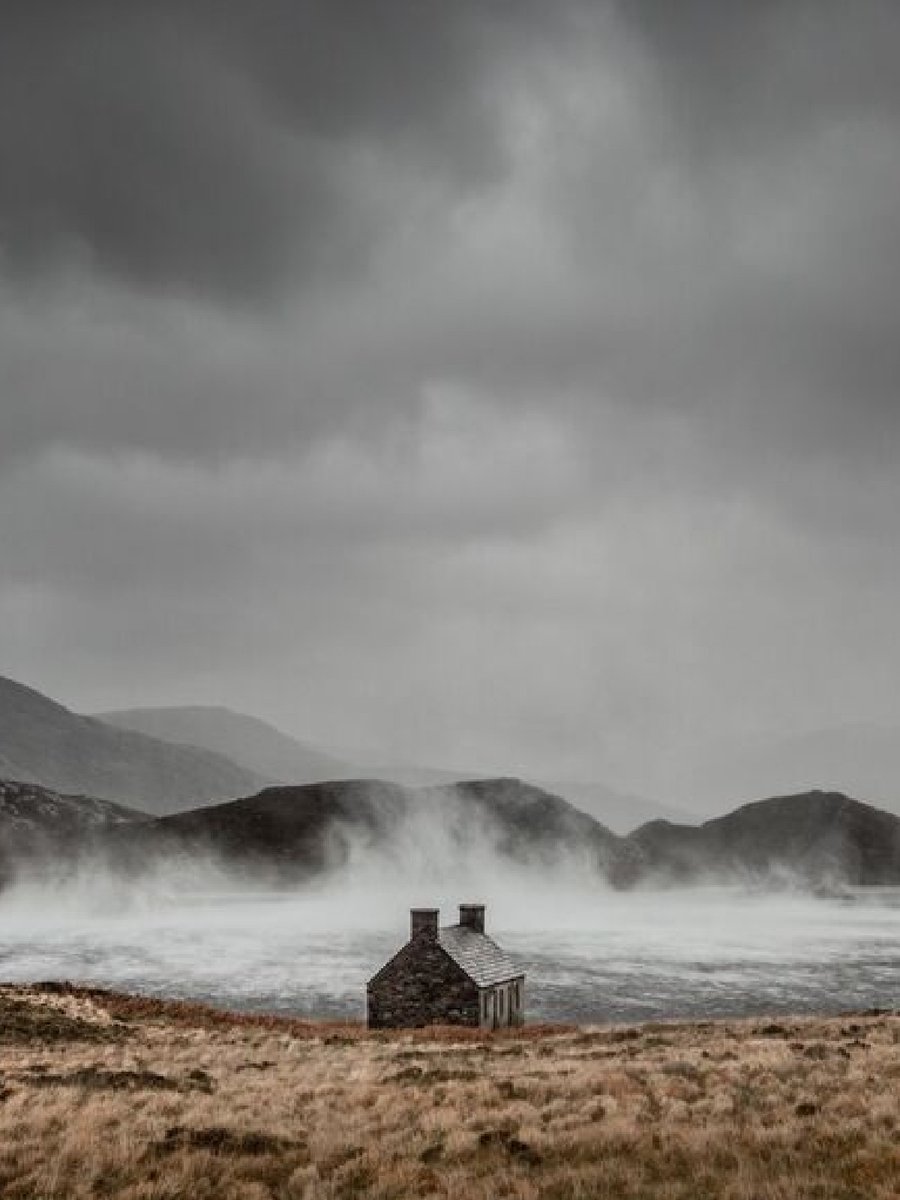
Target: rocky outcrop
x: 39, y: 827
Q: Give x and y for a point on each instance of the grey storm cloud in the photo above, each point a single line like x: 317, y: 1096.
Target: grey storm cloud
x: 211, y: 145
x: 767, y: 70
x: 711, y: 221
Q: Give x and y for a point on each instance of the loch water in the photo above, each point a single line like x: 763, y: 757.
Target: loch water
x: 704, y: 952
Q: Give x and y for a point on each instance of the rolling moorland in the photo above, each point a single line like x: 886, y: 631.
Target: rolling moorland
x: 136, y: 1099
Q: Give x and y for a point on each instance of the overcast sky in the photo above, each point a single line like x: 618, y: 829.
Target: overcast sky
x: 496, y: 383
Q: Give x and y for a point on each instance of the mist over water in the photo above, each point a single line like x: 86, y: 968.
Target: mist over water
x: 591, y: 954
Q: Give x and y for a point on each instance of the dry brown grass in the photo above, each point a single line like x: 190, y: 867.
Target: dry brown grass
x: 114, y: 1096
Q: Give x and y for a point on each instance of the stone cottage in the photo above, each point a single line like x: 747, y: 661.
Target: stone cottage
x: 454, y: 976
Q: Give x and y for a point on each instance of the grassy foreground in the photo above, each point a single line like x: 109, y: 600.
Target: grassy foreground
x: 114, y: 1096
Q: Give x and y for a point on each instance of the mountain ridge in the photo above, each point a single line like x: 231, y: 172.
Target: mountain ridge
x: 289, y: 835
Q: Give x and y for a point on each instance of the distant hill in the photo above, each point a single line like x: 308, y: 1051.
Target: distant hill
x: 43, y: 742
x: 857, y: 759
x: 816, y: 838
x: 622, y: 812
x: 255, y: 745
x: 37, y: 824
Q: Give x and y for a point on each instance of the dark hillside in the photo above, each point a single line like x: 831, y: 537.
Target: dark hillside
x: 296, y: 832
x: 293, y: 831
x: 818, y: 837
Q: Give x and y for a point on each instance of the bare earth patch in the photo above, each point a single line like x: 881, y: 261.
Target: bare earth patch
x: 122, y: 1097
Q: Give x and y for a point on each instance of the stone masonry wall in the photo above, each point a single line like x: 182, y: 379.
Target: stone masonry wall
x: 421, y: 985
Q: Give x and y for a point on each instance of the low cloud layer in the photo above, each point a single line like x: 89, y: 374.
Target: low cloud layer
x: 503, y: 385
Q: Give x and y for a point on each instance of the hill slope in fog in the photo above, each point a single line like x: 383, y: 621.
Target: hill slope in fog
x: 37, y: 824
x: 266, y: 750
x: 295, y: 832
x: 279, y: 758
x: 254, y: 744
x: 816, y: 837
x: 43, y: 742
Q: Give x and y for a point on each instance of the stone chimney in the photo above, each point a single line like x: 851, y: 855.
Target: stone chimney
x: 423, y: 922
x: 472, y: 916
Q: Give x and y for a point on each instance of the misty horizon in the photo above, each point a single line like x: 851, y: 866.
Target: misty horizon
x: 861, y: 761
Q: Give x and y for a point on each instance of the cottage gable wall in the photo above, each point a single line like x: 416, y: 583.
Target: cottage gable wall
x: 421, y: 985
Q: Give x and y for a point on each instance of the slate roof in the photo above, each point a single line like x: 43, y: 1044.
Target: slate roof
x: 478, y: 955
